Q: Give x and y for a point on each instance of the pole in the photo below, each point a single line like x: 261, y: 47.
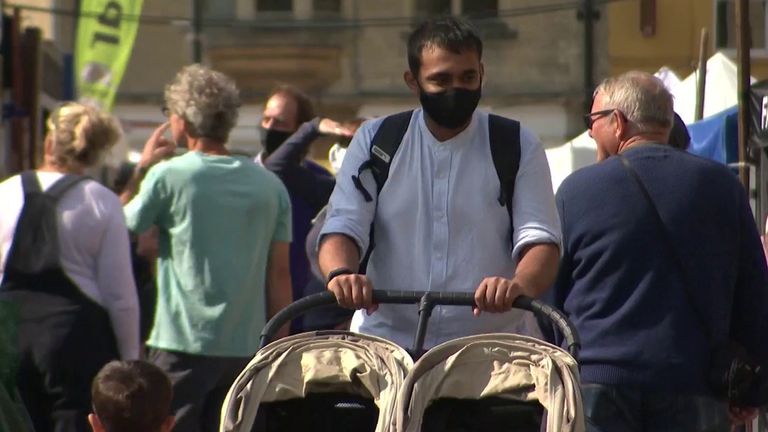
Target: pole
x: 589, y: 48
x: 701, y: 79
x: 32, y: 42
x: 743, y: 66
x: 3, y: 137
x: 18, y: 121
x: 197, y: 31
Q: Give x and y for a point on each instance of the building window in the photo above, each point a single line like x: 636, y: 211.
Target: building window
x: 433, y: 7
x: 274, y: 5
x: 480, y: 8
x: 725, y: 24
x: 300, y: 9
x: 471, y: 8
x: 219, y: 9
x: 327, y: 7
x: 484, y: 12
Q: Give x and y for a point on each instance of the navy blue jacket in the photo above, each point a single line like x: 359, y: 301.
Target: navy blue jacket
x: 309, y: 186
x: 304, y: 179
x: 619, y: 281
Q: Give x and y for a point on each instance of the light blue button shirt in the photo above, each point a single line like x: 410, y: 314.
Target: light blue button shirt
x: 439, y: 226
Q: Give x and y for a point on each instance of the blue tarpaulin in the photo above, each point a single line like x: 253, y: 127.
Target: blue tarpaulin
x: 716, y: 137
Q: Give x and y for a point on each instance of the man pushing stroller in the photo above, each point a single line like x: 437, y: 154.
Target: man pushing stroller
x: 443, y: 219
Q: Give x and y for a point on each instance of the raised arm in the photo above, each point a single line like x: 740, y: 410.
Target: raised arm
x: 293, y: 150
x: 156, y: 149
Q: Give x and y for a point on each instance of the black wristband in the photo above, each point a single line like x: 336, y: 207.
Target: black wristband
x: 337, y: 272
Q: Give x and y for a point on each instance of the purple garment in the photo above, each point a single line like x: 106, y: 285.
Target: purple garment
x: 309, y: 186
x: 302, y: 212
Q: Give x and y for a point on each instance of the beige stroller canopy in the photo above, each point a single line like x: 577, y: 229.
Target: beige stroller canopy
x: 334, y: 380
x: 495, y: 365
x: 318, y: 362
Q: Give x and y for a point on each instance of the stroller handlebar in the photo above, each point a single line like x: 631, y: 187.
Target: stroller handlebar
x: 538, y: 308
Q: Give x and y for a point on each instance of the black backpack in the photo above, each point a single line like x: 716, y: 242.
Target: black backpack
x: 504, y: 139
x: 39, y: 250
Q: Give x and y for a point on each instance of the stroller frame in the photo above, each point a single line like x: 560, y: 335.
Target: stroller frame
x: 427, y: 301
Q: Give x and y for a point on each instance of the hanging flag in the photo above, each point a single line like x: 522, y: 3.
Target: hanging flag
x: 106, y: 30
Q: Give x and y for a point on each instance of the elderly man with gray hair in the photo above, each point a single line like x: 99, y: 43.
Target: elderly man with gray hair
x: 661, y: 271
x: 224, y: 231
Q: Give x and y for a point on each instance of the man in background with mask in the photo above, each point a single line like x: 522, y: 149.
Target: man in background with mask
x: 438, y: 223
x: 288, y: 128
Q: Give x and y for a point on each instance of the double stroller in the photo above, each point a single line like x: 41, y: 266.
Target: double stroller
x: 343, y: 381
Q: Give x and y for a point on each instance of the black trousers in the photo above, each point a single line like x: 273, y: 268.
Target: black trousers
x: 200, y: 384
x: 62, y: 346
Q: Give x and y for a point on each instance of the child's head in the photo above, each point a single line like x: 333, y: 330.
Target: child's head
x: 131, y: 396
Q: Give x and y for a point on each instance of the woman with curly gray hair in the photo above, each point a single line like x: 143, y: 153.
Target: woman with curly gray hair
x: 225, y: 227
x: 66, y: 269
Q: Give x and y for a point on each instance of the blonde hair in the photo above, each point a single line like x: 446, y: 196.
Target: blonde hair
x: 206, y: 99
x: 81, y: 134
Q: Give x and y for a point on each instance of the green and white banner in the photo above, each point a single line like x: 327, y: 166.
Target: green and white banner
x: 106, y: 30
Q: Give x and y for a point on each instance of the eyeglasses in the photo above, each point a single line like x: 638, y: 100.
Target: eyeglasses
x: 166, y: 111
x: 591, y: 118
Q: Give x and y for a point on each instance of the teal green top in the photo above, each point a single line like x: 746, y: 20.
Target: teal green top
x: 217, y: 217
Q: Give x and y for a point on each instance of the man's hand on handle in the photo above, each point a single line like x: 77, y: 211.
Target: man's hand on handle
x: 353, y: 291
x: 496, y: 295
x: 535, y: 273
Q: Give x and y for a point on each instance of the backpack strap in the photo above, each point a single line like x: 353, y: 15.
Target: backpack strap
x: 35, y: 246
x: 62, y: 185
x: 504, y: 137
x: 384, y: 145
x: 29, y: 183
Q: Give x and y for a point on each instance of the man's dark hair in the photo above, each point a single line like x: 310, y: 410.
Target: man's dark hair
x: 131, y: 396
x: 305, y: 110
x: 451, y: 33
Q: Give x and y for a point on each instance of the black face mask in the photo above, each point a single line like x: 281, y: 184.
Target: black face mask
x: 450, y: 108
x: 271, y: 138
